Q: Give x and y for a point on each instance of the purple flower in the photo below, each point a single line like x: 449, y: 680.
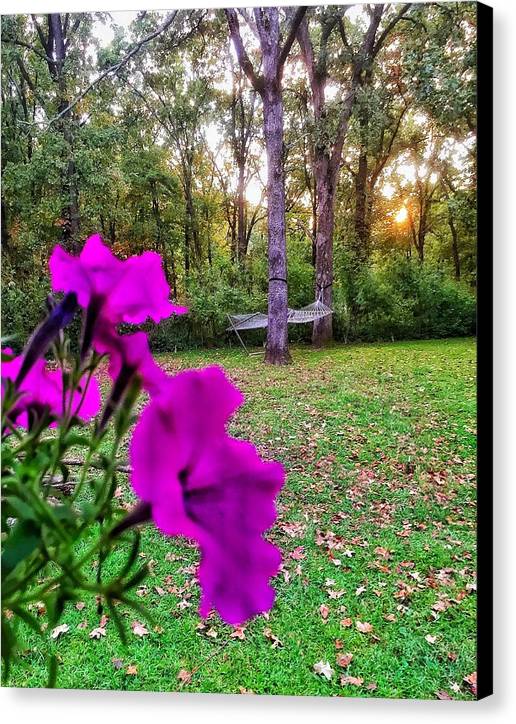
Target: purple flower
x: 121, y: 291
x: 206, y: 485
x: 43, y: 388
x: 129, y: 354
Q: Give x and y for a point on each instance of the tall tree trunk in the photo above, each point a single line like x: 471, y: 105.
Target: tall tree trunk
x: 361, y: 206
x: 268, y: 85
x: 322, y: 331
x: 56, y: 49
x: 455, y: 245
x: 241, y: 225
x: 277, y: 330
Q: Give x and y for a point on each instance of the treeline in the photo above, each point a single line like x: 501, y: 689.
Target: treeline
x: 272, y: 156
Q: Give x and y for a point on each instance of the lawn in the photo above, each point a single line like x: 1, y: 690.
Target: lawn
x: 377, y: 527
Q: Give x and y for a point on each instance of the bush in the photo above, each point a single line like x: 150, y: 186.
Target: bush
x: 403, y: 299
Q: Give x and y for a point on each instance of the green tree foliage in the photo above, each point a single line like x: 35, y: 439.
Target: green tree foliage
x: 167, y: 153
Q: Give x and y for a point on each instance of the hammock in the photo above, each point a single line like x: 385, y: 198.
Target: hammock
x: 240, y: 322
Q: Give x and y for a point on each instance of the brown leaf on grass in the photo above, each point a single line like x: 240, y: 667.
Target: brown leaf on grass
x: 184, y: 676
x: 97, y: 633
x: 324, y: 611
x: 243, y: 690
x: 430, y: 639
x: 59, y: 630
x: 323, y: 668
x: 390, y: 617
x: 80, y: 605
x: 82, y: 624
x: 452, y: 656
x: 344, y: 660
x: 276, y: 643
x: 346, y: 622
x: 372, y: 686
x: 338, y: 644
x: 471, y: 681
x: 382, y: 552
x: 139, y: 629
x: 363, y: 627
x: 298, y: 553
x: 212, y: 633
x: 238, y: 633
x: 351, y: 681
x: 443, y: 695
x: 117, y: 663
x: 131, y: 670
x: 160, y: 591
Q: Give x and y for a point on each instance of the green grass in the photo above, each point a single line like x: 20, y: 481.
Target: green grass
x: 379, y: 443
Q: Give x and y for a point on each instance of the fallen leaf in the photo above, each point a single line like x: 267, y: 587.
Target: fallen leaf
x: 344, y: 660
x: 131, y: 670
x: 324, y: 611
x: 117, y: 663
x: 471, y: 681
x: 443, y: 695
x: 372, y: 686
x: 390, y: 617
x: 382, y: 552
x: 238, y: 633
x: 323, y: 668
x: 139, y: 629
x: 346, y: 622
x: 364, y: 627
x: 430, y: 639
x: 351, y: 680
x: 212, y: 633
x: 184, y: 676
x: 59, y: 630
x: 80, y: 605
x: 298, y: 553
x: 97, y: 633
x: 267, y: 632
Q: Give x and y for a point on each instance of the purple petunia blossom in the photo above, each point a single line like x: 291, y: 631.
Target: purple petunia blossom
x: 43, y: 387
x: 122, y: 291
x: 206, y: 485
x: 129, y: 352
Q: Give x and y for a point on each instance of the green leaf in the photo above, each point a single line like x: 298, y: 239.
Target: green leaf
x: 24, y: 539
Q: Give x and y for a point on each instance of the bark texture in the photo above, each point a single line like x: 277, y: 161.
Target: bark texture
x: 266, y: 25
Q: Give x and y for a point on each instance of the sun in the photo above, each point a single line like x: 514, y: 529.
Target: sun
x: 401, y: 216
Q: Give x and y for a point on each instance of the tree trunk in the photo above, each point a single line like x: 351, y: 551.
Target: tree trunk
x: 56, y: 48
x: 322, y: 332
x: 277, y: 331
x: 241, y: 230
x: 455, y: 247
x: 361, y: 207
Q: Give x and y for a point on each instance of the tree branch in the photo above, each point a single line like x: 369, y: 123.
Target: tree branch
x: 243, y: 58
x: 298, y: 17
x: 117, y: 66
x: 390, y: 27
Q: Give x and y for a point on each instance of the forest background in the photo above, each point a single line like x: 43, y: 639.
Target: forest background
x: 148, y: 128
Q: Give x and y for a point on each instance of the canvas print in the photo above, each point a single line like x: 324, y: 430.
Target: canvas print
x: 239, y: 377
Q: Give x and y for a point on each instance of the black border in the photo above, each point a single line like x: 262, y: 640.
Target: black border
x: 485, y: 349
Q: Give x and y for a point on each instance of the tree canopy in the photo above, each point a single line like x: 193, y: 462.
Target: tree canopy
x: 151, y: 128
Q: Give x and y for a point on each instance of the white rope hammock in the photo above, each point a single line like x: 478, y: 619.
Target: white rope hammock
x: 240, y: 322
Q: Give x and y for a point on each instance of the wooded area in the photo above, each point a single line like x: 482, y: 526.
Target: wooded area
x: 272, y: 156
